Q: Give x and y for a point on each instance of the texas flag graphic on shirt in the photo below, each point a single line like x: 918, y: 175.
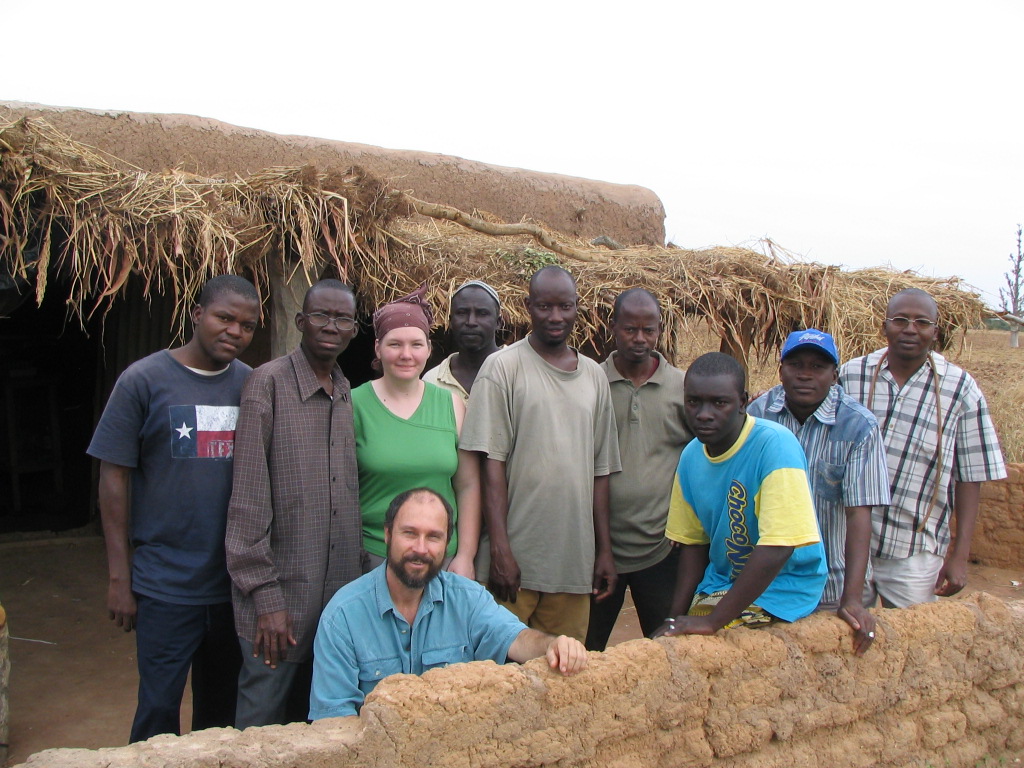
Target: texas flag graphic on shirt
x: 203, y: 431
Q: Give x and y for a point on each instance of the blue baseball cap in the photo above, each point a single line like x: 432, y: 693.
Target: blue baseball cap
x: 812, y: 337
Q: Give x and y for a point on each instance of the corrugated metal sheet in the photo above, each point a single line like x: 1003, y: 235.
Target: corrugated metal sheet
x: 136, y: 327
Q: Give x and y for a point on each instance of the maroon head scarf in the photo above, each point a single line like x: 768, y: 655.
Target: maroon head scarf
x: 412, y: 311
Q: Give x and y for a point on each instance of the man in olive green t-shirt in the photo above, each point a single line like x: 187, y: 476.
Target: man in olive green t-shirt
x: 647, y: 395
x: 541, y: 414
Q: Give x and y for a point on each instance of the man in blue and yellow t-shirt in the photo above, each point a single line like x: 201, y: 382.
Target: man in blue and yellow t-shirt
x: 742, y: 512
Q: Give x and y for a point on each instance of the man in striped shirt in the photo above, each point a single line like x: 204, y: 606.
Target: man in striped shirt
x: 940, y: 446
x: 845, y: 463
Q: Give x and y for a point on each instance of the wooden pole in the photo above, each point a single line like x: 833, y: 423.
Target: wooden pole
x: 285, y: 300
x: 1015, y: 324
x: 5, y: 677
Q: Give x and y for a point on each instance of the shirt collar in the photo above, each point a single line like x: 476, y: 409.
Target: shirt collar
x: 748, y: 425
x: 875, y: 357
x: 445, y: 375
x: 825, y: 412
x: 776, y: 399
x: 433, y: 593
x: 938, y: 362
x: 307, y: 380
x: 658, y: 377
x: 380, y: 589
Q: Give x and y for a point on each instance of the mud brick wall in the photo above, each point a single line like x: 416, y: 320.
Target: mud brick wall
x: 999, y: 536
x: 944, y: 683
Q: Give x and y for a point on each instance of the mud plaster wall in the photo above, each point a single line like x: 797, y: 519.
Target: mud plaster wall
x: 999, y: 534
x: 582, y: 207
x: 943, y: 685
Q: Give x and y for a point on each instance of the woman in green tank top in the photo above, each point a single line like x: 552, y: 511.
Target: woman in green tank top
x: 407, y: 434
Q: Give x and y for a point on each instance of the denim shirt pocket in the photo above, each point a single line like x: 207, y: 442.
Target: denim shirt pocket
x: 373, y: 671
x: 828, y: 480
x: 439, y: 658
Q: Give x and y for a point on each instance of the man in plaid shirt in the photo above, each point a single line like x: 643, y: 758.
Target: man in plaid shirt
x: 294, y: 532
x: 940, y: 446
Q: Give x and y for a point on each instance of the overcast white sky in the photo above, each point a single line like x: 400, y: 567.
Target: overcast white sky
x: 857, y: 134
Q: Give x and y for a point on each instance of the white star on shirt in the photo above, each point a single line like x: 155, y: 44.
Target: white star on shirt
x: 184, y: 431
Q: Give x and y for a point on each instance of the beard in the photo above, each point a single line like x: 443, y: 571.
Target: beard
x: 410, y: 580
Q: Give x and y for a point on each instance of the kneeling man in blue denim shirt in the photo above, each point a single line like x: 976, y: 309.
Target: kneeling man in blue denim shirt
x: 408, y: 616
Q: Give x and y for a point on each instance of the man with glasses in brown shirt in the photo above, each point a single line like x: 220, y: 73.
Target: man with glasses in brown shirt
x: 294, y: 529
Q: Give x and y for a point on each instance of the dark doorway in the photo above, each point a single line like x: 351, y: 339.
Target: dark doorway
x: 47, y: 391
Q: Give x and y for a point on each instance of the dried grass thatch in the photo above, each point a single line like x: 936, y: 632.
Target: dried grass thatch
x: 750, y: 300
x: 94, y: 219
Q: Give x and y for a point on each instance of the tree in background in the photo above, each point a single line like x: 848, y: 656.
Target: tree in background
x: 1012, y: 297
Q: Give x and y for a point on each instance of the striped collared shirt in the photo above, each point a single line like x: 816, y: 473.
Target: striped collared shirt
x: 845, y: 462
x: 907, y: 415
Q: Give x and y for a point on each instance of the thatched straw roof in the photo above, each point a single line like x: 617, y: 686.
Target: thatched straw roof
x: 69, y: 208
x: 96, y: 220
x: 753, y: 299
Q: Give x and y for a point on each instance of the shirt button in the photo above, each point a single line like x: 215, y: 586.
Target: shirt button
x: 334, y: 479
x: 404, y: 631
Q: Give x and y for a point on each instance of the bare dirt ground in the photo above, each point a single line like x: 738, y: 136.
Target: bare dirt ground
x: 73, y: 678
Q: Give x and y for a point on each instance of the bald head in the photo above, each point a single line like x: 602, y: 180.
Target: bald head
x: 635, y: 299
x: 917, y: 296
x: 550, y: 276
x: 328, y: 284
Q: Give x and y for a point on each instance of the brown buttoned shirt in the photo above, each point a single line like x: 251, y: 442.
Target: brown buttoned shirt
x: 294, y: 531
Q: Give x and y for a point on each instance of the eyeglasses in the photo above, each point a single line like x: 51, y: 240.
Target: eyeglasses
x: 920, y: 323
x: 320, y: 320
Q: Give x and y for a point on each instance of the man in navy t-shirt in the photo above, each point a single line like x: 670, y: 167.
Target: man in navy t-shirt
x: 165, y: 443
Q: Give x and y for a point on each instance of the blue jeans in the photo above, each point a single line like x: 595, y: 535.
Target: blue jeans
x: 652, y: 589
x: 171, y: 639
